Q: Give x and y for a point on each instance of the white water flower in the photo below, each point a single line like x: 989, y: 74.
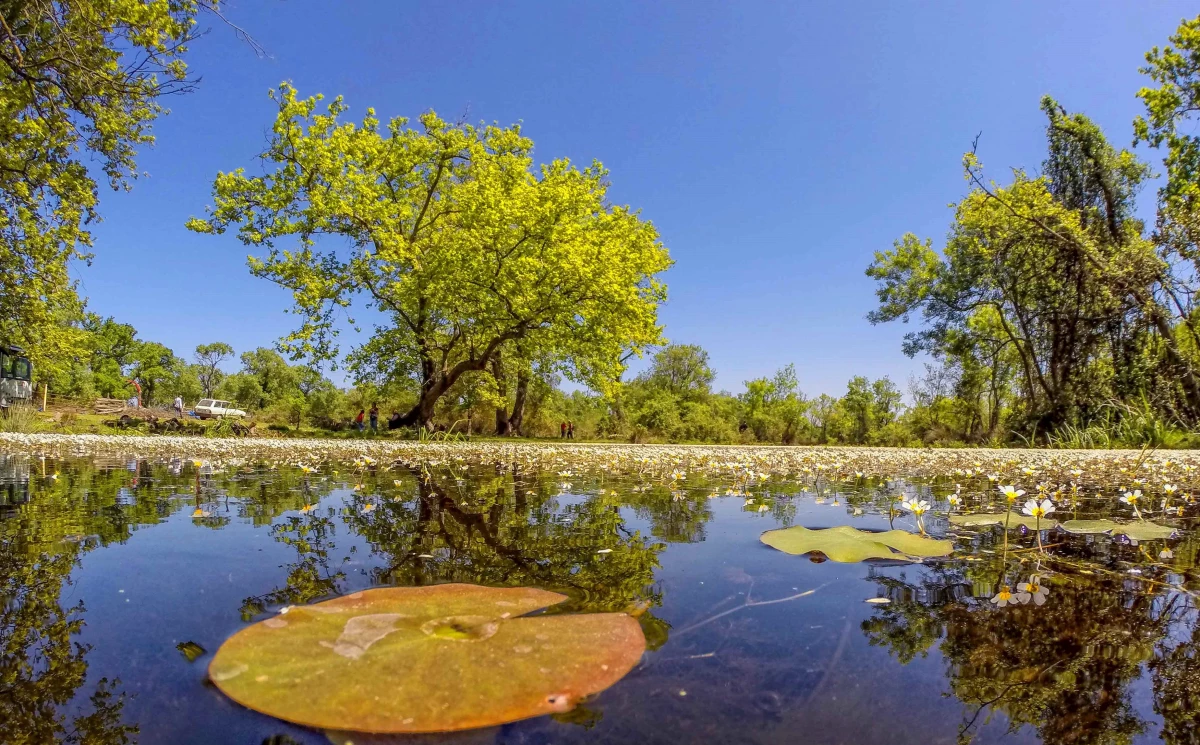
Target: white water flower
x: 1004, y: 597
x: 915, y: 506
x: 1033, y: 509
x: 1011, y: 493
x: 1033, y: 590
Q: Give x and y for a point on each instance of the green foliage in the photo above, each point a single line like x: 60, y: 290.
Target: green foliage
x: 1052, y: 313
x: 208, y: 359
x: 1138, y: 531
x: 774, y: 407
x: 80, y: 83
x: 1169, y: 123
x: 682, y: 370
x: 20, y: 417
x: 454, y: 236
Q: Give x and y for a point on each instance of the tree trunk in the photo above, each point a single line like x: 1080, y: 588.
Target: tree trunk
x: 503, y: 426
x: 421, y: 414
x: 436, y: 382
x: 517, y: 420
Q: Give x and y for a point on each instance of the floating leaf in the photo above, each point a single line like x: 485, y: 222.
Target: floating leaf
x: 487, y: 736
x: 849, y: 545
x: 878, y: 601
x: 191, y: 651
x: 997, y: 518
x: 425, y: 659
x: 1139, y: 531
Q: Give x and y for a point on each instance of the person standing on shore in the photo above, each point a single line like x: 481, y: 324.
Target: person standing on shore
x: 358, y: 420
x: 374, y: 419
x: 179, y: 406
x: 562, y: 430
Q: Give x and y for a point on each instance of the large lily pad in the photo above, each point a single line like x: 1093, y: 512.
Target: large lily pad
x: 849, y: 545
x: 1139, y: 531
x: 425, y: 659
x: 998, y: 518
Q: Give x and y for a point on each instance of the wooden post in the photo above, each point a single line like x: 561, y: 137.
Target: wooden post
x: 45, y: 393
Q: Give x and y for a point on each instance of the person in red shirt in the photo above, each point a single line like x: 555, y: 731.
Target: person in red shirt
x: 358, y: 420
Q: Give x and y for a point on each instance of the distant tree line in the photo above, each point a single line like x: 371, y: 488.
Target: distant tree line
x: 110, y: 355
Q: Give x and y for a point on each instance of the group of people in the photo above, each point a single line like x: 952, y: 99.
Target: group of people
x: 567, y: 430
x: 372, y: 416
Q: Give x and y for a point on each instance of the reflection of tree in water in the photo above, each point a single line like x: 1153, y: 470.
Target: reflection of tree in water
x: 483, y: 529
x: 675, y: 517
x: 311, y: 577
x: 64, y: 511
x: 1176, y: 677
x: 41, y: 665
x: 1064, y: 668
x: 492, y: 532
x: 58, y: 511
x: 69, y: 511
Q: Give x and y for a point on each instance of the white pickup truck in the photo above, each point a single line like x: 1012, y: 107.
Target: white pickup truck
x: 211, y: 408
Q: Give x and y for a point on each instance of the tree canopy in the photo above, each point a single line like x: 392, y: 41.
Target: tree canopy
x: 1050, y: 285
x: 80, y: 84
x: 452, y: 237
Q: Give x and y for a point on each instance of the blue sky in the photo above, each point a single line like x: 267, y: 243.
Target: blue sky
x: 776, y: 145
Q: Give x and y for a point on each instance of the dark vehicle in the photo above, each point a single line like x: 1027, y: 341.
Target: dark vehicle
x: 16, y: 376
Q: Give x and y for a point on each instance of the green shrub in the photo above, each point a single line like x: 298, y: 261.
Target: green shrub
x: 19, y: 417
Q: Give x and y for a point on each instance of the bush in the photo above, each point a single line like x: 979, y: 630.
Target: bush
x: 19, y: 417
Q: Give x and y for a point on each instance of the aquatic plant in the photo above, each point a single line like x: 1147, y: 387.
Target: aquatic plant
x: 450, y: 657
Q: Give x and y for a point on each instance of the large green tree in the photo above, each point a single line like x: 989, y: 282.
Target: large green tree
x: 1054, y: 268
x: 208, y: 364
x: 112, y: 351
x: 452, y: 237
x: 80, y: 84
x: 682, y: 370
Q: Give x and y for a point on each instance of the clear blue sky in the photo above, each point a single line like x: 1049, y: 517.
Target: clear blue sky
x: 776, y: 145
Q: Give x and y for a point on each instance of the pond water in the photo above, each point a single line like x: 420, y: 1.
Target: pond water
x: 122, y: 574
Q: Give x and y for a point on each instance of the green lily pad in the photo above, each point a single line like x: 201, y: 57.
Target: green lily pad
x: 1139, y: 531
x: 1015, y: 520
x: 425, y: 659
x: 849, y: 545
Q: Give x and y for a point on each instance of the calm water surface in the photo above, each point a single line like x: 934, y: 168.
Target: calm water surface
x: 119, y: 578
